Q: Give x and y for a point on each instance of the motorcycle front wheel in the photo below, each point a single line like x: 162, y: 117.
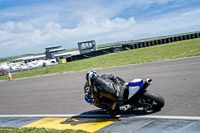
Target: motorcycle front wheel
x: 151, y: 101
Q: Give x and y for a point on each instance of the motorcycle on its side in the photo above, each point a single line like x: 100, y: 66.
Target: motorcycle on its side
x: 136, y: 95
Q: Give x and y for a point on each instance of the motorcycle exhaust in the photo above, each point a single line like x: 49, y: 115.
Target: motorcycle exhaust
x: 146, y: 84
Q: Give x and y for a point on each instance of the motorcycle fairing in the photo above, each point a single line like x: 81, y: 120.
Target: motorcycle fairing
x: 134, y: 86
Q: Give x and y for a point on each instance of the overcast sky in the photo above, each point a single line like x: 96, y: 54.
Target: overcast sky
x: 28, y: 26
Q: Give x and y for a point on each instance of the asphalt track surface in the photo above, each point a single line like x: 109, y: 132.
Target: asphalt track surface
x: 178, y: 81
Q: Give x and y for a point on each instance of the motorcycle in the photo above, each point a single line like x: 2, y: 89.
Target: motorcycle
x: 135, y: 94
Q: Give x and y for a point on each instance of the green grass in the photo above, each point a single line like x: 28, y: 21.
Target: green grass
x: 39, y: 130
x: 168, y: 51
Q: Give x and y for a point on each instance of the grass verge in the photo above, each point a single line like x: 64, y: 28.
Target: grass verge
x: 39, y: 130
x: 168, y: 51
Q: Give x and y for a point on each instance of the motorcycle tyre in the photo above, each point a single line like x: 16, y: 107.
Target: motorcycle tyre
x: 156, y: 98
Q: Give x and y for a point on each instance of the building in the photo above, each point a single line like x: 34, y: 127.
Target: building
x: 87, y: 47
x: 54, y: 50
x: 59, y: 53
x: 29, y: 59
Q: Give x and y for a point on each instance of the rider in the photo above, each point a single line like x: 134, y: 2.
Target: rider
x: 107, y: 86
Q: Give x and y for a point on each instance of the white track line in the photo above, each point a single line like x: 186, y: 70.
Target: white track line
x: 103, y: 116
x: 168, y: 117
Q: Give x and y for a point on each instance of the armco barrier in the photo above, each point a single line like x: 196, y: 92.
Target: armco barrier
x: 163, y: 41
x: 175, y: 38
x: 152, y: 43
x: 139, y: 45
x: 180, y: 38
x: 156, y: 42
x: 168, y: 40
x: 184, y: 37
x: 171, y: 39
x: 193, y: 36
x: 188, y: 37
x: 147, y: 44
x: 136, y: 45
x: 196, y: 35
x: 117, y: 48
x: 127, y: 46
x: 159, y: 42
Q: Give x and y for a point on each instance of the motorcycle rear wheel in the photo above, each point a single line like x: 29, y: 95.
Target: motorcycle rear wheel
x: 152, y: 101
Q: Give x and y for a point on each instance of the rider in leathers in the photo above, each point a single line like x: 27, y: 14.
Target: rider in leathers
x: 106, y: 86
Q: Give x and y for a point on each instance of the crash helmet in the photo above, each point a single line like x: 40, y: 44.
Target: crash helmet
x: 90, y: 76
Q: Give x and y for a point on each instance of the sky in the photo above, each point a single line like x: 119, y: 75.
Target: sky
x: 28, y: 26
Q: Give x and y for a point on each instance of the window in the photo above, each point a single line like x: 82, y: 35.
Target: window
x: 86, y: 45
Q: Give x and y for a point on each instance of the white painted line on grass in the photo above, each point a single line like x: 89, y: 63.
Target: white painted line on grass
x: 104, y: 116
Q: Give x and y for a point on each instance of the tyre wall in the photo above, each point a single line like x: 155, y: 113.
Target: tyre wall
x: 137, y: 45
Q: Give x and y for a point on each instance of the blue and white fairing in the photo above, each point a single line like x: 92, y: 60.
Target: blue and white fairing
x: 134, y: 86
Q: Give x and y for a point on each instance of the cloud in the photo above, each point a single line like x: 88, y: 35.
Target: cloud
x: 67, y: 23
x: 16, y: 27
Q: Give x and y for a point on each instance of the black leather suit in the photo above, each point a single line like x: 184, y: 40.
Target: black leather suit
x: 110, y: 87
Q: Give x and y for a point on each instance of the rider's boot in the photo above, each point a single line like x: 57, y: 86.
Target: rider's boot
x: 125, y: 107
